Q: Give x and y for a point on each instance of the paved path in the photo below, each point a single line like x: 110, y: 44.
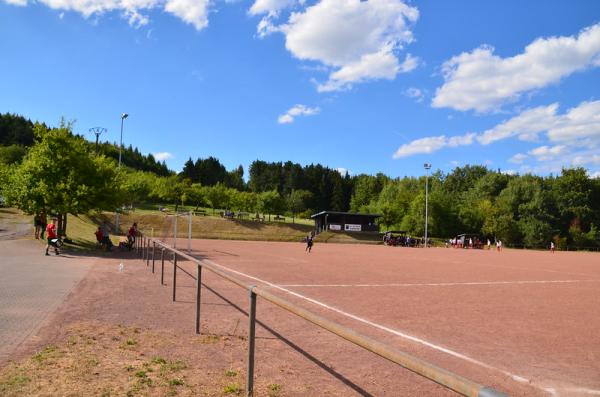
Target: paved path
x: 32, y: 286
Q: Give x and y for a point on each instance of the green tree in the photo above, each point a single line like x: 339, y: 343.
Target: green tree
x: 12, y: 154
x: 296, y: 201
x: 270, y: 202
x: 138, y: 187
x: 218, y: 196
x: 60, y: 175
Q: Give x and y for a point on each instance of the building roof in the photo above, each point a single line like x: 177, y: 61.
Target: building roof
x: 344, y: 213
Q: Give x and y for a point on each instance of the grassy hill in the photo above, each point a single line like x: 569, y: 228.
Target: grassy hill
x: 81, y: 228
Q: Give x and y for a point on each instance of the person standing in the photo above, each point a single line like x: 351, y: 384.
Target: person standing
x: 309, y: 243
x: 44, y: 220
x: 489, y: 244
x: 552, y: 246
x: 52, y: 237
x: 37, y: 224
x: 106, y: 236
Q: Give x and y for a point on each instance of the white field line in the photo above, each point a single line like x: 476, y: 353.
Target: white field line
x: 401, y: 334
x: 441, y: 284
x: 521, y: 379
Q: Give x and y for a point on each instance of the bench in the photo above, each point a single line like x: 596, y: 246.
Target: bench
x: 198, y: 213
x: 278, y: 218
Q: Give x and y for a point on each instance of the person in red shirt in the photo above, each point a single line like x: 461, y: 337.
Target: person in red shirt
x: 131, y: 235
x: 52, y: 235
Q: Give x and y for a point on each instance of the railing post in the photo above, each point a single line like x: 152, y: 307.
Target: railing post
x: 162, y: 266
x: 145, y: 249
x: 174, y: 275
x: 148, y: 255
x: 153, y: 254
x: 251, y: 335
x: 198, y: 284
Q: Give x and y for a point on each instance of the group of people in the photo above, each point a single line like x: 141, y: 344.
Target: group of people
x: 401, y: 241
x: 103, y: 236
x: 472, y: 243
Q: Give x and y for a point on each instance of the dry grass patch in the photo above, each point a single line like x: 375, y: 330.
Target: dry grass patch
x: 102, y: 360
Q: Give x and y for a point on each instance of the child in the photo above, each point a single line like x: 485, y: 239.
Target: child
x: 52, y: 237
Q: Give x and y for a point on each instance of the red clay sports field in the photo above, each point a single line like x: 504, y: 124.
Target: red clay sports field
x: 524, y: 322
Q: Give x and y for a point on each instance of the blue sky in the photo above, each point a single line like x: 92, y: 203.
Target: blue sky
x: 369, y: 86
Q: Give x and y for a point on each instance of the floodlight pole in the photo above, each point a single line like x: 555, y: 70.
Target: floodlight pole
x: 123, y: 117
x: 427, y: 168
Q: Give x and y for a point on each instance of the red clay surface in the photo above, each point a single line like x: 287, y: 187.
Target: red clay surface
x: 524, y: 322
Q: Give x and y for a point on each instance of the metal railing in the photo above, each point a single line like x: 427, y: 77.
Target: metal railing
x: 147, y: 247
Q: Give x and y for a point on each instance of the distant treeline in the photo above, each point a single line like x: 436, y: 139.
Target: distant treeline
x: 329, y: 189
x: 16, y: 135
x: 524, y: 210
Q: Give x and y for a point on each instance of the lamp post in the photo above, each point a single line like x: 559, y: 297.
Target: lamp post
x: 427, y: 168
x: 123, y: 117
x: 97, y: 131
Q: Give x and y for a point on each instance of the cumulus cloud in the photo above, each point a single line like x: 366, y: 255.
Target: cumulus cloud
x: 194, y: 12
x: 297, y: 110
x: 575, y: 130
x: 358, y: 40
x: 161, y: 156
x: 544, y: 153
x: 271, y: 7
x: 518, y: 158
x: 482, y: 81
x: 432, y: 144
x: 527, y: 125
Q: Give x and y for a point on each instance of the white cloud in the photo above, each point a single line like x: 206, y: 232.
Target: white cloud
x: 575, y: 130
x: 586, y: 159
x: 482, y: 81
x: 194, y: 12
x: 595, y: 175
x: 581, y: 122
x: 295, y: 111
x: 461, y: 140
x: 432, y: 144
x: 421, y: 146
x: 544, y: 153
x: 518, y: 158
x: 343, y: 171
x: 269, y: 6
x: 526, y: 125
x: 509, y: 172
x: 358, y: 40
x: 161, y: 156
x: 415, y: 93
